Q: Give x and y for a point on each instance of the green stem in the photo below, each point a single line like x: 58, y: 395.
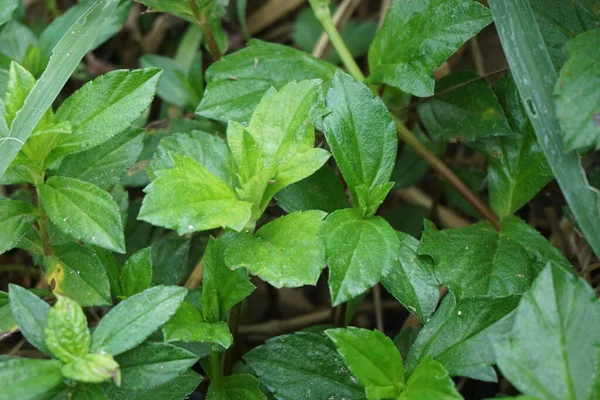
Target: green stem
x: 323, y: 14
x: 202, y: 20
x: 215, y: 368
x: 43, y: 225
x: 234, y: 322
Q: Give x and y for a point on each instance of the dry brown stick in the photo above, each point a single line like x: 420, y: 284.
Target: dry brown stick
x: 385, y: 5
x: 270, y: 13
x: 447, y: 217
x: 477, y: 56
x: 378, y: 308
x: 343, y: 12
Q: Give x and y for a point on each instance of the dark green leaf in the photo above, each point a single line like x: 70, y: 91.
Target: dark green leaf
x: 238, y: 82
x: 87, y: 391
x: 105, y: 164
x: 478, y: 260
x: 474, y: 179
x: 26, y: 379
x: 136, y: 275
x: 361, y: 134
x: 175, y: 389
x: 17, y: 217
x: 83, y: 211
x: 466, y: 113
x: 169, y: 257
x: 379, y: 369
x: 359, y: 252
x: 301, y: 366
x: 133, y: 320
x: 152, y: 364
x: 189, y: 198
x: 405, y: 339
x: 174, y: 86
x: 30, y: 313
x: 412, y: 281
x: 430, y: 381
x: 239, y: 386
x: 577, y: 93
x: 66, y: 333
x: 552, y: 350
x: 457, y: 335
x: 286, y: 252
x: 430, y: 32
x: 8, y: 323
x: 187, y: 325
x: 92, y: 368
x: 410, y: 167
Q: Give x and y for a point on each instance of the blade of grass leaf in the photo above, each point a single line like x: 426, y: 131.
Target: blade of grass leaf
x: 66, y: 55
x: 535, y: 76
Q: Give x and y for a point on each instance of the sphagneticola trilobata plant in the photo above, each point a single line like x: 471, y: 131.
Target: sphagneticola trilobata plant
x: 147, y: 228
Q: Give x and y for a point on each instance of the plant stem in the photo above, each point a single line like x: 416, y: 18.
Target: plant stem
x: 234, y: 322
x: 201, y: 18
x: 215, y: 367
x: 43, y: 225
x: 324, y: 16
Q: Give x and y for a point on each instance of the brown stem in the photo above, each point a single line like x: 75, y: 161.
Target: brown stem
x: 378, y: 308
x: 203, y: 22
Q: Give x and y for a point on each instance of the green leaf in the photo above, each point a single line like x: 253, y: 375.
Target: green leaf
x: 430, y: 32
x: 517, y: 167
x: 236, y: 84
x: 430, y: 381
x: 301, y: 366
x: 152, y: 364
x: 359, y: 252
x: 577, y: 99
x: 105, y: 164
x: 26, y: 379
x: 457, y: 335
x: 552, y: 350
x: 84, y: 211
x: 66, y: 55
x: 78, y: 272
x: 286, y: 252
x: 410, y: 167
x: 136, y: 275
x: 535, y: 77
x: 133, y: 320
x: 560, y: 21
x: 187, y: 325
x: 189, y: 198
x: 17, y: 217
x: 320, y: 191
x: 379, y: 369
x: 66, y: 333
x: 478, y: 260
x: 30, y: 312
x: 176, y: 389
x: 169, y: 258
x: 369, y: 199
x: 8, y: 323
x: 7, y: 7
x: 360, y: 132
x: 88, y: 391
x: 222, y: 288
x: 466, y: 113
x: 474, y: 179
x: 239, y: 386
x: 92, y: 368
x: 209, y: 150
x: 105, y: 107
x: 174, y: 87
x: 412, y: 280
x: 180, y: 8
x: 15, y: 39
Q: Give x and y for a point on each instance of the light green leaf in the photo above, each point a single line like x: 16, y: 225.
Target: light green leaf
x: 361, y: 134
x: 83, y: 211
x: 65, y: 58
x: 189, y: 198
x: 369, y: 199
x: 79, y: 273
x: 236, y: 84
x: 105, y: 164
x: 209, y: 150
x: 66, y: 333
x: 93, y: 368
x: 430, y: 381
x: 286, y: 252
x: 133, y: 320
x: 359, y: 252
x: 105, y: 107
x: 577, y: 93
x: 553, y: 348
x: 301, y: 366
x: 180, y: 8
x: 517, y: 167
x: 239, y: 386
x: 176, y: 389
x: 26, y: 379
x: 478, y: 260
x: 7, y: 7
x: 8, y: 323
x: 466, y: 113
x: 17, y: 218
x: 174, y: 86
x: 30, y: 313
x: 320, y: 191
x: 412, y: 280
x: 15, y: 39
x: 136, y: 275
x: 457, y: 335
x: 222, y: 288
x: 379, y: 369
x: 187, y: 325
x: 152, y: 364
x: 430, y: 32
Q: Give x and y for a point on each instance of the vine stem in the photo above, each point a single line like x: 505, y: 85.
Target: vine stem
x: 201, y: 18
x: 215, y: 366
x: 323, y: 14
